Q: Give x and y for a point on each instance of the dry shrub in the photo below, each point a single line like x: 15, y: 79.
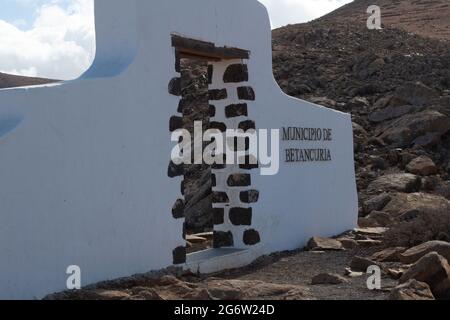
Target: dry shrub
x: 427, y: 225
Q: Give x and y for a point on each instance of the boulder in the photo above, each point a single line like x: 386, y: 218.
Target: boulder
x: 402, y: 182
x: 352, y: 274
x: 434, y: 270
x: 324, y: 244
x: 392, y: 112
x: 370, y: 232
x: 395, y: 273
x: 424, y: 128
x: 359, y: 135
x: 323, y: 101
x: 412, y: 290
x: 328, y: 278
x: 368, y: 243
x: 254, y: 290
x: 414, y: 254
x: 389, y: 255
x: 376, y: 203
x: 423, y: 166
x: 379, y: 218
x: 443, y: 189
x: 416, y: 94
x: 361, y: 264
x: 402, y: 203
x: 349, y: 243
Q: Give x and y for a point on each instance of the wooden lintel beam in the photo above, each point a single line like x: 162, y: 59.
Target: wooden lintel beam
x: 207, y: 50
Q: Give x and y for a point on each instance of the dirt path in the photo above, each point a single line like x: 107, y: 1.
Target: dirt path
x: 301, y: 267
x: 283, y: 276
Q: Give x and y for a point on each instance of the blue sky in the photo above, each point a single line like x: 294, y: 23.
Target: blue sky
x: 56, y: 38
x: 22, y: 13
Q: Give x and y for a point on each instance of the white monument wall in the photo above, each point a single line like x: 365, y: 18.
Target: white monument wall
x: 83, y: 178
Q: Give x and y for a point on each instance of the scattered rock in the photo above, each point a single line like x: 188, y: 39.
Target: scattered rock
x: 324, y: 244
x: 414, y: 254
x: 423, y: 166
x: 389, y: 255
x: 195, y: 239
x: 402, y: 182
x: 369, y: 243
x: 402, y: 203
x: 376, y: 203
x: 112, y: 295
x: 242, y: 290
x: 349, y: 243
x: 424, y: 128
x: 416, y: 94
x: 371, y: 232
x: 361, y: 264
x: 434, y: 270
x: 392, y: 112
x: 323, y: 101
x: 328, y: 278
x: 412, y: 290
x: 379, y: 219
x: 395, y: 274
x: 352, y: 274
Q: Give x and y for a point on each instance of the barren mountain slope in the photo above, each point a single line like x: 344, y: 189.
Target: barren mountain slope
x: 10, y: 81
x: 429, y: 18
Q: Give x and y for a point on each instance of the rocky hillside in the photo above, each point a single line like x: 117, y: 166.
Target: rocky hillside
x: 10, y: 81
x: 430, y: 18
x: 396, y: 85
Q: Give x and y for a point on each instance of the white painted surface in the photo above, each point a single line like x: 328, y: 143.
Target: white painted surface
x: 83, y: 164
x: 215, y: 260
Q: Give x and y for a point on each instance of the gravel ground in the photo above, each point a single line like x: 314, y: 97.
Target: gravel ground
x: 300, y: 267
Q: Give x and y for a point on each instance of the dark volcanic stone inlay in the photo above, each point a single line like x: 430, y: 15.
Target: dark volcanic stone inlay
x: 247, y: 125
x: 222, y: 127
x: 236, y: 110
x: 220, y: 197
x: 178, y: 209
x: 175, y: 170
x: 236, y: 73
x: 241, y: 216
x: 239, y: 180
x: 212, y: 111
x: 210, y: 73
x: 218, y: 216
x: 175, y: 86
x: 222, y: 239
x: 217, y: 94
x: 251, y: 196
x: 175, y: 123
x: 246, y: 93
x: 251, y: 237
x: 179, y: 255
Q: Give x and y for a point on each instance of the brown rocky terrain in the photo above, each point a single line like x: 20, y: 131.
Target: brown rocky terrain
x: 430, y: 18
x: 396, y: 84
x: 11, y: 81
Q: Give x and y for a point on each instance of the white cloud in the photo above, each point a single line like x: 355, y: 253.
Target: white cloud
x: 283, y: 12
x: 61, y: 42
x: 59, y: 45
